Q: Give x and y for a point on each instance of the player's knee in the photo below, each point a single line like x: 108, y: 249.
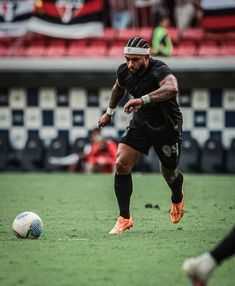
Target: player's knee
x: 122, y: 167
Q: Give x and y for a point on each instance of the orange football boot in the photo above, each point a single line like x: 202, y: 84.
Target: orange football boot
x: 177, y: 211
x: 121, y: 225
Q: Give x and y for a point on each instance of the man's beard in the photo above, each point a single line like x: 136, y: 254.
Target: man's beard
x: 139, y: 71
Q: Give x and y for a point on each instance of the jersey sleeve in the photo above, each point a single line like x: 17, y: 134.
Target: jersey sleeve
x: 161, y: 71
x: 121, y: 74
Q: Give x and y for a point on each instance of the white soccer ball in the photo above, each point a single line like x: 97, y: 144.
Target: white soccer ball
x: 27, y: 225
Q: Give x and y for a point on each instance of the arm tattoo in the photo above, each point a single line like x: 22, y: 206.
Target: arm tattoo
x: 168, y: 88
x: 117, y: 93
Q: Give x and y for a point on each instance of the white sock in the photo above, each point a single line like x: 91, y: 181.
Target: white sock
x: 206, y: 263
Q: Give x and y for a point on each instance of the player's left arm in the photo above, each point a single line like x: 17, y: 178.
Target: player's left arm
x: 168, y: 88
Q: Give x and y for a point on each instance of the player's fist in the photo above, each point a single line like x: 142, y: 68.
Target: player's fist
x: 104, y: 120
x: 132, y: 105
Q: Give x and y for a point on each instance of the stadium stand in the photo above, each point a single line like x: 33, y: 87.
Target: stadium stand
x: 115, y: 51
x: 79, y: 145
x: 146, y: 33
x: 190, y: 155
x: 4, y: 150
x: 193, y: 34
x: 230, y: 158
x: 75, y: 45
x: 187, y: 48
x: 209, y: 49
x: 212, y: 156
x: 58, y: 147
x: 195, y: 42
x: 33, y: 153
x: 228, y: 48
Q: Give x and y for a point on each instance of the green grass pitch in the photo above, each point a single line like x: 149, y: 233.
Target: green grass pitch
x: 78, y: 211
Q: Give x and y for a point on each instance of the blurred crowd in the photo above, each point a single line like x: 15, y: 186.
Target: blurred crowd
x: 120, y: 14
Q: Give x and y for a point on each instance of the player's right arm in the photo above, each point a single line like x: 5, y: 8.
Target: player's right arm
x: 117, y: 93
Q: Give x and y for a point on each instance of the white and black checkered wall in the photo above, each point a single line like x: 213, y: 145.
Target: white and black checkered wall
x: 74, y: 112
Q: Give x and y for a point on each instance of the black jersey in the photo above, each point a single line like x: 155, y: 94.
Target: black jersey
x: 164, y: 114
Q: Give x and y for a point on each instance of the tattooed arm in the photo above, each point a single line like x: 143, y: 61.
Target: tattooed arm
x: 168, y: 88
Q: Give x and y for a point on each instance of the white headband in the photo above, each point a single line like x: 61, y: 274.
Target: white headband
x: 136, y: 51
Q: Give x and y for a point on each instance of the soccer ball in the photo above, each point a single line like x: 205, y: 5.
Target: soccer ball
x: 27, y: 225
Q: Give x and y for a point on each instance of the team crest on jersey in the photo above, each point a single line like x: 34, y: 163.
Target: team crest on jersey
x: 69, y: 9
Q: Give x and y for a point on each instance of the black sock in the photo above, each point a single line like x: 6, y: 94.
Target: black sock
x: 123, y: 190
x: 225, y: 248
x: 176, y: 188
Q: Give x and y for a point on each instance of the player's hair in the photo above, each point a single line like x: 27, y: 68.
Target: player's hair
x: 137, y: 42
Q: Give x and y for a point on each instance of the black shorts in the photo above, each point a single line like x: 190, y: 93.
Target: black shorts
x: 167, y: 143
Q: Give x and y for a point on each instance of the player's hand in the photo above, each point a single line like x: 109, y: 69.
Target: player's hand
x: 133, y: 104
x: 104, y: 120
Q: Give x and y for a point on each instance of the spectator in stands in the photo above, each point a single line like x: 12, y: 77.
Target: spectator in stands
x: 102, y: 154
x: 98, y: 156
x: 185, y: 12
x: 161, y: 42
x: 144, y: 12
x: 120, y: 13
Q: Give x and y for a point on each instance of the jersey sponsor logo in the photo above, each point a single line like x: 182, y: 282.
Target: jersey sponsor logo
x: 69, y: 9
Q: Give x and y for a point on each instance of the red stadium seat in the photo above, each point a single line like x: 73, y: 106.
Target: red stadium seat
x: 146, y: 33
x: 90, y: 51
x: 230, y: 35
x: 125, y: 34
x: 193, y: 34
x: 15, y: 51
x: 214, y: 36
x: 228, y: 48
x: 55, y: 51
x: 3, y: 50
x: 173, y: 33
x: 186, y: 50
x: 207, y: 49
x: 74, y: 47
x: 109, y: 34
x: 115, y: 51
x: 36, y: 50
x: 94, y: 51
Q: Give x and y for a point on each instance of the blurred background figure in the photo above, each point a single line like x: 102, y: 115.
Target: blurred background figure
x: 102, y: 154
x: 186, y: 11
x: 143, y: 12
x: 199, y: 269
x: 161, y: 42
x: 120, y: 13
x: 99, y: 156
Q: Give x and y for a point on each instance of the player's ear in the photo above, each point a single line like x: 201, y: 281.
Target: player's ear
x: 147, y: 57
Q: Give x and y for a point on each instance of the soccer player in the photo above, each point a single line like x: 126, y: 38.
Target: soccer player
x: 199, y: 269
x: 157, y: 122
